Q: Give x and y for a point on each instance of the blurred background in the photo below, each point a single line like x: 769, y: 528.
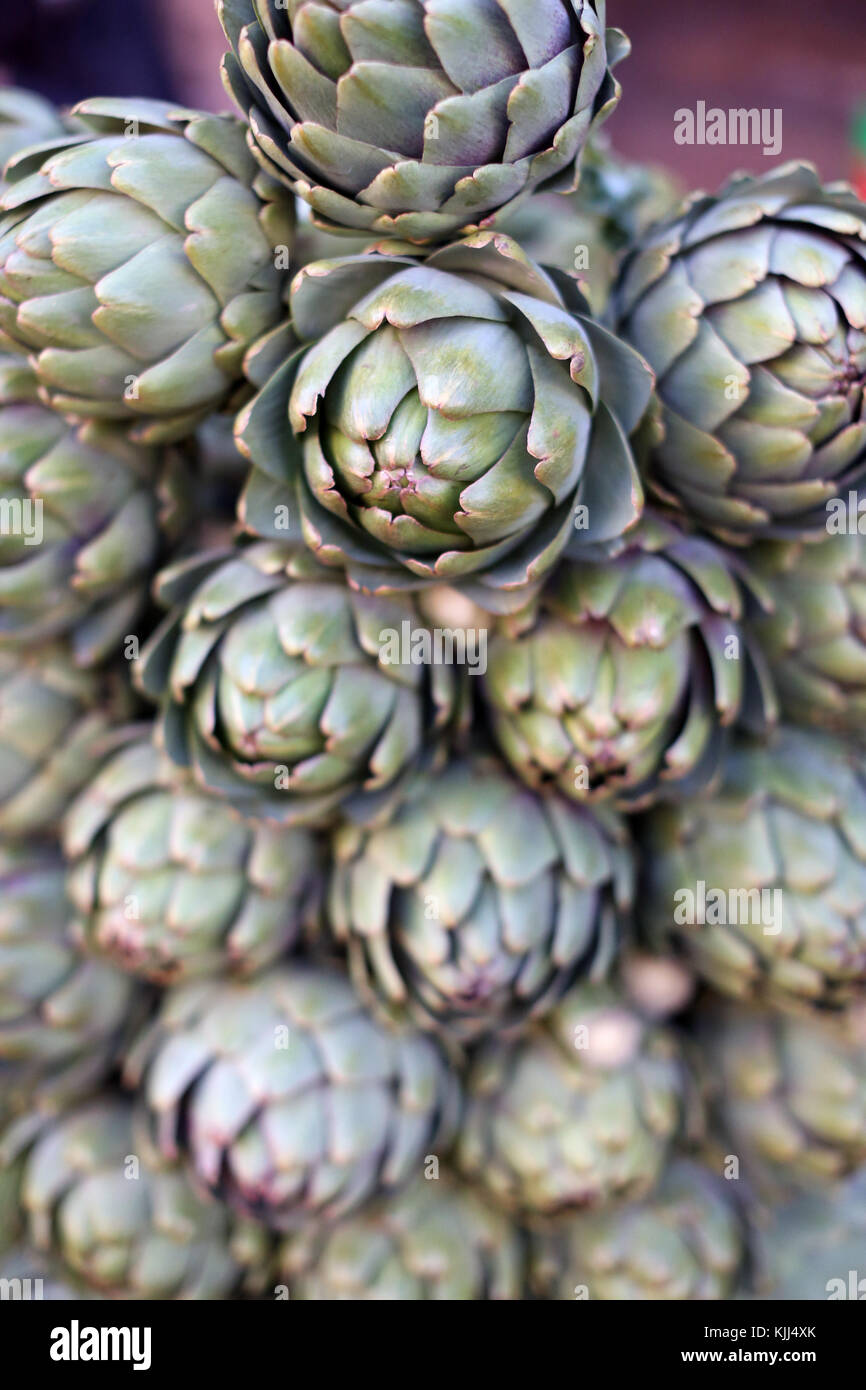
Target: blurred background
x: 806, y: 59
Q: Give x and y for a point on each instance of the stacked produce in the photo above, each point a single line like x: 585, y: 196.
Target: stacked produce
x: 432, y: 785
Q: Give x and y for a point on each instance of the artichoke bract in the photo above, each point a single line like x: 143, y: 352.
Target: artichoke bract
x: 622, y: 680
x: 416, y: 118
x: 814, y: 637
x: 138, y: 263
x: 763, y: 884
x: 579, y: 1112
x: 289, y: 1101
x: 751, y: 309
x: 473, y: 905
x: 25, y: 119
x: 682, y: 1243
x: 61, y: 1015
x: 283, y: 690
x: 168, y: 884
x: 456, y: 419
x: 789, y: 1094
x: 85, y: 513
x: 123, y: 1221
x: 435, y: 1241
x: 56, y: 724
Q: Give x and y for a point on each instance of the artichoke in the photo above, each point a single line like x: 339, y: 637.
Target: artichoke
x: 456, y: 419
x: 280, y: 686
x: 476, y: 904
x: 751, y: 308
x: 55, y: 725
x: 87, y: 512
x: 437, y: 1240
x: 290, y: 1102
x: 415, y: 118
x: 138, y: 265
x: 763, y: 885
x: 121, y: 1220
x: 579, y: 1112
x: 812, y: 1247
x: 683, y: 1243
x: 169, y: 884
x: 815, y: 636
x: 62, y: 1016
x: 789, y: 1093
x: 622, y: 680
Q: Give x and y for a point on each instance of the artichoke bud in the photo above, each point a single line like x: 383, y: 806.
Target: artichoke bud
x: 788, y: 1095
x: 57, y: 723
x: 423, y: 122
x: 121, y: 1218
x: 748, y: 305
x: 63, y: 1016
x: 686, y: 1241
x: 300, y: 1107
x: 437, y: 1240
x: 286, y: 692
x: 762, y: 883
x: 450, y: 420
x: 140, y: 265
x: 471, y: 905
x: 622, y: 679
x: 170, y: 884
x: 537, y: 1132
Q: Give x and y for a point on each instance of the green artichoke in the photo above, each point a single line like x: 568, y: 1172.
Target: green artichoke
x: 169, y: 884
x: 763, y: 884
x: 789, y: 1094
x: 751, y: 308
x: 62, y: 1016
x: 281, y: 688
x: 815, y: 636
x: 620, y: 683
x: 138, y: 265
x: 579, y: 1112
x: 121, y: 1220
x: 85, y: 513
x: 811, y: 1249
x: 289, y: 1101
x: 683, y: 1243
x: 474, y: 904
x: 418, y: 117
x: 55, y: 725
x: 435, y: 1241
x: 456, y: 419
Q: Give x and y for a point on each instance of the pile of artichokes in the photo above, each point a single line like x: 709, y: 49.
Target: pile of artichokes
x: 432, y: 679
